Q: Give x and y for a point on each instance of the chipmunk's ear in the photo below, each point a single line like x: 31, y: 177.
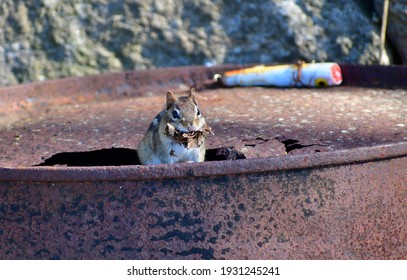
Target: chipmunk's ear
x: 170, y: 100
x: 192, y: 96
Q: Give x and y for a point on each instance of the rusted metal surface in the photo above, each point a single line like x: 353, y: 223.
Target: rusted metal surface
x: 350, y: 211
x: 259, y: 122
x: 16, y: 101
x: 375, y: 76
x: 325, y: 174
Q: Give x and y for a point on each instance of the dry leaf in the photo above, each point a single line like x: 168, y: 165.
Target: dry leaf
x: 190, y: 140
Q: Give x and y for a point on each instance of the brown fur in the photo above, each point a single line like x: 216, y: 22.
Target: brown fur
x: 156, y: 147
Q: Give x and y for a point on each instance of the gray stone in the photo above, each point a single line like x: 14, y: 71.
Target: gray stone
x: 46, y: 39
x: 397, y: 25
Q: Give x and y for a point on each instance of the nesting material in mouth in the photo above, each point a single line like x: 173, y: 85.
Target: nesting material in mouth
x: 193, y: 139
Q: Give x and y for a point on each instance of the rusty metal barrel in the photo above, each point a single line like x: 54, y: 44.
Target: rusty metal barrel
x: 289, y: 173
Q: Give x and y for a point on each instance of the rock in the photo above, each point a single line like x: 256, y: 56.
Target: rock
x: 290, y: 30
x: 46, y: 39
x: 396, y: 25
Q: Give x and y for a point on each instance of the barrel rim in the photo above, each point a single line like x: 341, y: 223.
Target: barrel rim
x: 358, y: 155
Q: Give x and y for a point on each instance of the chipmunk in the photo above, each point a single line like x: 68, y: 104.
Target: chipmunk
x: 177, y: 133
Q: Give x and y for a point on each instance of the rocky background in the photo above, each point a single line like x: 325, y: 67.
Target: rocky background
x: 47, y: 39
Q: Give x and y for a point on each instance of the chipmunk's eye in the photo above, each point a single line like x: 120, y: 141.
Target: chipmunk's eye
x: 198, y: 113
x: 175, y: 114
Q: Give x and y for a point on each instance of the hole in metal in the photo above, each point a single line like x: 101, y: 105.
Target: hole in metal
x: 292, y: 144
x: 104, y: 157
x: 124, y: 156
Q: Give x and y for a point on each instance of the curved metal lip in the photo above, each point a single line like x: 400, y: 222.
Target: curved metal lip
x: 205, y: 169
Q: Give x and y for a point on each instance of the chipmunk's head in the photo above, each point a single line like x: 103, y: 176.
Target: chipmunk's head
x: 183, y: 112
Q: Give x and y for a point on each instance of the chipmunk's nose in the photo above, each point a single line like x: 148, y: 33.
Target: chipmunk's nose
x: 191, y: 128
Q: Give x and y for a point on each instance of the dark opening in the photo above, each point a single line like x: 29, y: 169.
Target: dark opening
x: 291, y: 144
x: 104, y: 157
x: 123, y: 156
